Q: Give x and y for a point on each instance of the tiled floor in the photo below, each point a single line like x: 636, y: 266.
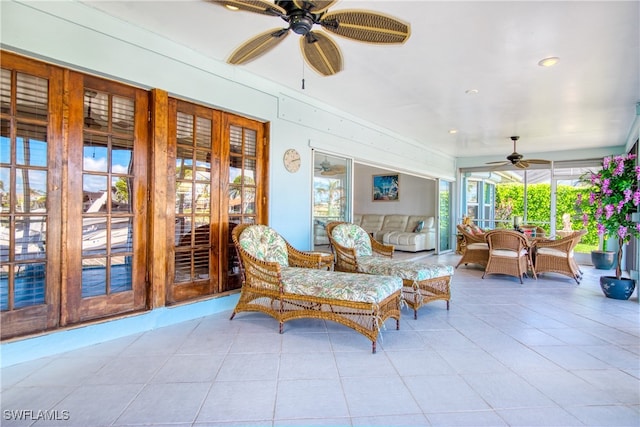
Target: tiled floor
x: 545, y: 353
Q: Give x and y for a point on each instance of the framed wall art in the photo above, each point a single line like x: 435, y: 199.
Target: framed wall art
x: 386, y: 188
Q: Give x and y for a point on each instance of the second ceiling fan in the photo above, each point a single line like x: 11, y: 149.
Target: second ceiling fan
x: 517, y: 159
x: 328, y: 169
x: 318, y: 49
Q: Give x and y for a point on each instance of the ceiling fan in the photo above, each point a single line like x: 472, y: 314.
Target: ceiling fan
x: 327, y: 169
x: 318, y: 49
x: 517, y: 159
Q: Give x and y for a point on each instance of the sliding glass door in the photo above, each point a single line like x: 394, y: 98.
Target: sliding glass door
x: 445, y: 233
x: 331, y: 194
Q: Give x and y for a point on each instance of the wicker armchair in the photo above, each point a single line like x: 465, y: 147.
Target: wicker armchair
x: 556, y: 256
x: 289, y: 284
x: 508, y: 254
x: 358, y: 252
x: 475, y: 249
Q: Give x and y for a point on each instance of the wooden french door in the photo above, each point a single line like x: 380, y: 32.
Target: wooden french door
x: 105, y: 244
x: 218, y: 171
x: 194, y: 153
x: 30, y: 196
x: 244, y: 185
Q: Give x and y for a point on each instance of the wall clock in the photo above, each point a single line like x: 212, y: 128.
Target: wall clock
x: 291, y: 160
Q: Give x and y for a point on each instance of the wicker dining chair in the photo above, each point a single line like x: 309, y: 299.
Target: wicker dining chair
x: 556, y: 256
x: 508, y: 254
x: 475, y: 249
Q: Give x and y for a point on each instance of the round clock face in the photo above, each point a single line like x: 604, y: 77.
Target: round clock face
x: 291, y: 160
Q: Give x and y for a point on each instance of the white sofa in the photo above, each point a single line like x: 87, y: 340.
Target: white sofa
x: 400, y: 230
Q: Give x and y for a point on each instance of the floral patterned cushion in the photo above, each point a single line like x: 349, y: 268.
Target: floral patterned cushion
x: 409, y: 270
x: 353, y: 236
x: 339, y: 286
x: 265, y: 244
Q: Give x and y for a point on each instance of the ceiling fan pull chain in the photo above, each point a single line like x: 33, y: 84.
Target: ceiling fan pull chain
x: 302, y: 75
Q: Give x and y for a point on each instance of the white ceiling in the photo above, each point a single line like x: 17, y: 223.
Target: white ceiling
x: 417, y: 90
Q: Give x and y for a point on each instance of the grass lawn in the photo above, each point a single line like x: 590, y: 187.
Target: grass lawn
x: 584, y: 248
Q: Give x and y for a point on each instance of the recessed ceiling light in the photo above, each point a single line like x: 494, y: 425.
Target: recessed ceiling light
x: 471, y: 91
x: 452, y: 131
x: 548, y: 62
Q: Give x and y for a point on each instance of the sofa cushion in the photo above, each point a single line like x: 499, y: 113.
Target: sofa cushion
x: 352, y: 236
x: 265, y: 244
x: 395, y: 222
x: 372, y: 222
x: 414, y: 220
x: 401, y: 238
x: 339, y: 286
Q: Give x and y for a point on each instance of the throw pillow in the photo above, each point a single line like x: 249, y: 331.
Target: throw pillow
x: 419, y: 227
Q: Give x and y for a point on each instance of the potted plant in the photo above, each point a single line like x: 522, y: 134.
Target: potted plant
x: 603, y: 259
x: 614, y: 197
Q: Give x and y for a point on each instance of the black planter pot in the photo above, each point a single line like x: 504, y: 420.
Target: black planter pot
x: 617, y: 288
x: 603, y: 260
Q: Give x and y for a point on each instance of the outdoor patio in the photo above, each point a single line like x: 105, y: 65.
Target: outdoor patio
x: 546, y: 353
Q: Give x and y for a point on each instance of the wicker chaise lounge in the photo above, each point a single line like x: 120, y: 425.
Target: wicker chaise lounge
x: 287, y: 284
x: 357, y: 252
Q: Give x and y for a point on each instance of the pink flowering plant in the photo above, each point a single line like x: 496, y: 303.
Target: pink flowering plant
x: 613, y: 197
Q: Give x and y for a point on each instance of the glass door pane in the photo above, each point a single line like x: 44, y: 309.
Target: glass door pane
x: 568, y: 186
x: 243, y: 162
x: 331, y: 194
x: 107, y: 219
x: 195, y: 152
x: 29, y: 213
x: 445, y: 233
x: 192, y: 199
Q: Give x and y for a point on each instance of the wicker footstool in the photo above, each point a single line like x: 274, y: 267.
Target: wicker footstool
x: 422, y: 283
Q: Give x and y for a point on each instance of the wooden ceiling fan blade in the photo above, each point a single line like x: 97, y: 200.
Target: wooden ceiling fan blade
x: 498, y: 163
x: 522, y: 164
x: 257, y: 46
x: 314, y: 6
x: 321, y: 53
x: 256, y: 6
x: 366, y: 26
x: 538, y: 161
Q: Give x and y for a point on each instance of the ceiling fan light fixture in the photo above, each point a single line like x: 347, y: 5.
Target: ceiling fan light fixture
x: 549, y: 61
x: 301, y: 22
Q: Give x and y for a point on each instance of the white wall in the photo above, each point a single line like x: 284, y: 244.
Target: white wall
x: 77, y: 36
x: 417, y: 195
